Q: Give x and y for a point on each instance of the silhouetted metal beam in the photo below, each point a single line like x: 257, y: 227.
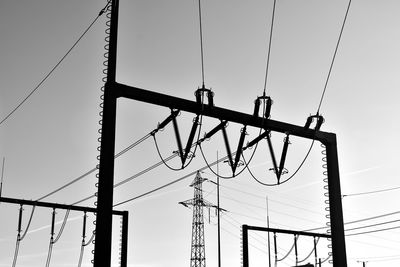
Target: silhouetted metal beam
x: 124, y: 239
x: 53, y: 205
x: 114, y: 90
x: 283, y: 231
x: 142, y: 95
x: 335, y: 205
x: 103, y: 241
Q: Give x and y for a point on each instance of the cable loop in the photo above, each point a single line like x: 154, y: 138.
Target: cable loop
x: 288, y: 179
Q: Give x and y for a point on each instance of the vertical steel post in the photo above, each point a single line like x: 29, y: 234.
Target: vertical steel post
x: 102, y: 248
x: 219, y: 220
x: 335, y: 204
x: 124, y: 241
x: 245, y: 247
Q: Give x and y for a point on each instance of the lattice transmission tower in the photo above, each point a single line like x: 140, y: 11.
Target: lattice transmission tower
x: 198, y: 255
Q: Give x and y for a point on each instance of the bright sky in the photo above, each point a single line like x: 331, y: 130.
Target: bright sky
x: 52, y: 138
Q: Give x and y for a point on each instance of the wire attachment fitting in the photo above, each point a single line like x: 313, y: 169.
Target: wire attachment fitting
x: 320, y: 120
x: 201, y: 92
x: 267, y: 102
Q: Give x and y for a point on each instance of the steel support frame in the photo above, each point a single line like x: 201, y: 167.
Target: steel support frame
x: 114, y: 90
x: 245, y: 238
x: 124, y: 214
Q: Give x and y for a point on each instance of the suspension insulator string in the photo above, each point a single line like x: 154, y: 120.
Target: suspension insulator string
x: 83, y: 240
x: 295, y: 249
x: 275, y: 250
x: 18, y: 236
x: 53, y: 217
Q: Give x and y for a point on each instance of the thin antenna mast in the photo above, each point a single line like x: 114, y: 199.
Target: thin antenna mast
x: 2, y: 177
x: 269, y: 246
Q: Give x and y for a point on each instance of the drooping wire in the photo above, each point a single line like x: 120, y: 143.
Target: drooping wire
x: 29, y: 223
x: 162, y: 158
x: 311, y: 252
x: 52, y: 239
x: 224, y: 158
x: 195, y: 145
x: 289, y: 178
x: 290, y: 250
x: 84, y: 243
x: 62, y: 226
x: 333, y: 58
x: 53, y: 69
x: 220, y: 160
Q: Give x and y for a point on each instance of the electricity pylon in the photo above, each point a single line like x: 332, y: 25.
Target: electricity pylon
x: 198, y: 255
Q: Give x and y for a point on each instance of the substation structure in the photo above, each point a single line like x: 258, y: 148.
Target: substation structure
x: 114, y: 90
x: 54, y: 206
x: 296, y: 234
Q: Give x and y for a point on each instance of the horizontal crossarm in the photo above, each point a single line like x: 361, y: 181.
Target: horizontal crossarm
x: 135, y: 93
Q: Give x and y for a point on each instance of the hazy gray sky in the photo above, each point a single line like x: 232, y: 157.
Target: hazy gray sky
x: 52, y: 138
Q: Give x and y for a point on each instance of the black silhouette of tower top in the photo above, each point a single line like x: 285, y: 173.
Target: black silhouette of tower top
x: 198, y: 255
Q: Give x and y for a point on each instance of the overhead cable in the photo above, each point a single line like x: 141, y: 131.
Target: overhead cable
x: 201, y: 44
x: 55, y: 66
x: 269, y: 47
x: 371, y: 225
x: 374, y: 231
x: 334, y: 57
x: 371, y: 192
x: 95, y: 168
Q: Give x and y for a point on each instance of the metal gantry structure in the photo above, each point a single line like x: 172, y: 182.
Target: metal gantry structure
x: 296, y: 234
x: 198, y: 253
x: 54, y: 206
x: 114, y: 90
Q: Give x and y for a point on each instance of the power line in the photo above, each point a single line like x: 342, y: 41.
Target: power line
x: 333, y: 58
x: 95, y: 168
x: 360, y: 220
x: 382, y: 258
x: 269, y: 47
x: 371, y: 225
x: 158, y: 188
x: 201, y: 43
x: 372, y: 192
x: 55, y: 66
x: 374, y: 217
x: 374, y: 231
